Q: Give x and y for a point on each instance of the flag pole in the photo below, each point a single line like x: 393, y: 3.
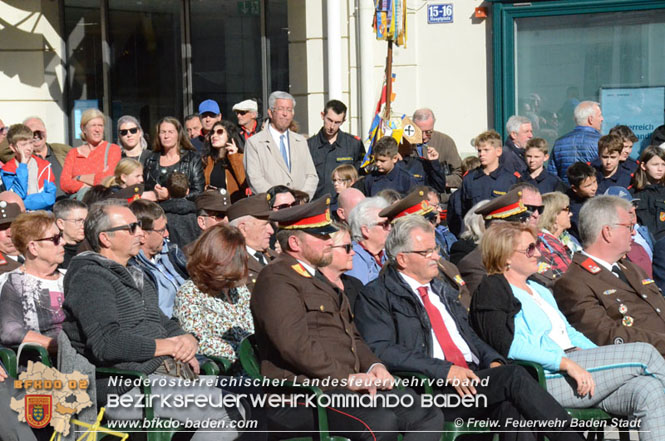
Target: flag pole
x: 389, y: 79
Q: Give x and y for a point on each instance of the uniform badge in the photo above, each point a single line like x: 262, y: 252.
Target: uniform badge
x: 627, y: 321
x: 618, y: 341
x: 301, y: 270
x: 608, y: 292
x: 591, y: 266
x: 498, y: 193
x: 662, y: 216
x: 38, y: 410
x: 623, y: 309
x: 460, y: 281
x: 647, y: 281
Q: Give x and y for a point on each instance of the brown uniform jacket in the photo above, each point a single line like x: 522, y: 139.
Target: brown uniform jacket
x: 7, y: 264
x: 606, y: 309
x: 304, y: 326
x: 254, y: 268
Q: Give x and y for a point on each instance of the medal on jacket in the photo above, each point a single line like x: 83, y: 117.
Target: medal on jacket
x: 627, y: 321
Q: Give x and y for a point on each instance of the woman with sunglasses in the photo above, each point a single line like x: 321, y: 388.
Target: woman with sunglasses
x: 521, y: 320
x: 342, y: 261
x: 31, y: 296
x: 130, y: 137
x: 223, y: 161
x: 172, y: 151
x: 553, y: 224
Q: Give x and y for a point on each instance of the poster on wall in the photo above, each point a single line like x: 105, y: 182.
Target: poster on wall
x: 640, y: 108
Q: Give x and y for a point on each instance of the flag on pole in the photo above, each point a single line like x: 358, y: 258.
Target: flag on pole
x: 390, y: 20
x: 377, y: 128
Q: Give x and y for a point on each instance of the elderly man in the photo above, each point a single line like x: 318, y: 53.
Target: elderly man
x: 606, y: 297
x: 278, y: 156
x: 519, y: 132
x: 250, y: 216
x: 247, y: 113
x: 346, y: 202
x: 70, y: 215
x: 581, y: 144
x: 211, y: 207
x: 442, y: 143
x: 164, y: 263
x: 332, y: 147
x: 304, y: 331
x: 52, y: 152
x: 114, y: 320
x: 413, y: 322
x: 369, y: 232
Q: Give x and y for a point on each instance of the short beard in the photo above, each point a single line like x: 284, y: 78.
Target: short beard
x: 318, y: 261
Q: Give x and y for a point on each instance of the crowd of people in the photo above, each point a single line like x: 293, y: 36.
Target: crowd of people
x: 156, y: 255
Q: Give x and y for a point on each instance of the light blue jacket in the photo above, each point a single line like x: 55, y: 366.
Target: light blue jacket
x: 532, y: 327
x: 365, y: 267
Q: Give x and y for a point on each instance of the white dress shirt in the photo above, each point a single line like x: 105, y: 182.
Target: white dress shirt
x: 276, y: 137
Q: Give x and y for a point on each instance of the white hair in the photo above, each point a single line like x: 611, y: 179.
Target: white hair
x: 279, y: 95
x: 583, y: 111
x: 362, y: 216
x: 515, y: 122
x: 423, y: 114
x: 474, y: 224
x: 598, y: 212
x: 399, y: 238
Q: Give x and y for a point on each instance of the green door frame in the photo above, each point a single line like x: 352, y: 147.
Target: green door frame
x: 505, y: 12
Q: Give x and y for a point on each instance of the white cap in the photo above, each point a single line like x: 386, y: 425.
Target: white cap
x: 248, y: 105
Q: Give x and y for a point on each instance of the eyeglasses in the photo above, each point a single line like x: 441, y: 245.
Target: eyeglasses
x: 283, y: 206
x: 385, y: 225
x: 55, y: 239
x: 428, y: 132
x: 216, y: 216
x: 240, y: 112
x: 161, y: 231
x: 566, y: 209
x: 78, y: 221
x: 219, y: 132
x: 530, y: 251
x: 535, y: 208
x: 132, y: 228
x: 133, y: 131
x: 630, y: 227
x: 340, y: 181
x: 425, y: 253
x: 3, y: 130
x: 347, y: 247
x: 283, y: 109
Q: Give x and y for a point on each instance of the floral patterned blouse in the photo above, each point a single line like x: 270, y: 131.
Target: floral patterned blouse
x: 219, y: 325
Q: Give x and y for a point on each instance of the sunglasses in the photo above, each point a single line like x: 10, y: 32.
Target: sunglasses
x: 219, y: 132
x: 283, y: 206
x: 37, y: 134
x: 241, y: 112
x: 129, y: 227
x: 3, y: 130
x: 133, y: 131
x: 55, y: 239
x: 535, y: 208
x: 530, y: 251
x: 347, y: 247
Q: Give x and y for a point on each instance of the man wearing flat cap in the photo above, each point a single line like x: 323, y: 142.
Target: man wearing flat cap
x: 304, y: 330
x: 8, y: 253
x: 417, y: 203
x: 250, y: 216
x: 211, y: 208
x: 247, y: 113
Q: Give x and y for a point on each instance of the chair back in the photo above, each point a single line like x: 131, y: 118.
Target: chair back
x: 248, y: 359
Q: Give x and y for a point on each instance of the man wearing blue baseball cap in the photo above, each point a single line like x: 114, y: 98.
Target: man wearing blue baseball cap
x: 210, y: 114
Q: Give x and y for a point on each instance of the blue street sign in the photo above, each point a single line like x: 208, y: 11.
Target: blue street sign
x: 440, y: 13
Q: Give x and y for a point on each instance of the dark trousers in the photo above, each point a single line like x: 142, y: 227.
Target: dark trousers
x: 512, y: 393
x: 358, y: 423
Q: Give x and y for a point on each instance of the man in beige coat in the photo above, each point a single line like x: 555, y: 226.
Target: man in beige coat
x: 276, y: 155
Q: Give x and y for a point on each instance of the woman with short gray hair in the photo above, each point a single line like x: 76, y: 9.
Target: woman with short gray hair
x: 369, y: 232
x: 131, y: 137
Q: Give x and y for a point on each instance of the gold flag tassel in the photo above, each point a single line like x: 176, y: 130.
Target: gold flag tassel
x: 93, y: 429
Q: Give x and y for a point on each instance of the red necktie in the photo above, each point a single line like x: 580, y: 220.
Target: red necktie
x: 450, y: 349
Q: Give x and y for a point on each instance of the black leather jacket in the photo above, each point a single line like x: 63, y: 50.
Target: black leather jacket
x: 190, y: 164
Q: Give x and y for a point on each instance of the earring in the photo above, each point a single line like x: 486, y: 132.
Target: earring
x: 507, y: 266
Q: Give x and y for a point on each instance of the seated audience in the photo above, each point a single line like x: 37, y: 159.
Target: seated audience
x: 11, y: 428
x: 54, y: 153
x: 583, y: 186
x: 250, y: 216
x: 346, y: 201
x: 304, y: 330
x: 390, y: 195
x: 342, y: 261
x: 474, y: 227
x: 128, y: 172
x: 31, y: 296
x: 131, y: 138
x: 180, y: 211
x: 280, y: 197
x: 211, y: 207
x: 119, y: 324
x: 605, y: 296
x: 444, y: 238
x: 27, y: 174
x: 553, y: 228
x: 70, y: 216
x: 521, y: 320
x: 214, y: 304
x: 369, y: 232
x: 90, y: 163
x: 10, y: 257
x: 222, y: 160
x: 172, y: 151
x: 389, y: 174
x: 163, y: 263
x: 412, y: 320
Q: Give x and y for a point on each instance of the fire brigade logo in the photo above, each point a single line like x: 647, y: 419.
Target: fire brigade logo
x: 38, y: 410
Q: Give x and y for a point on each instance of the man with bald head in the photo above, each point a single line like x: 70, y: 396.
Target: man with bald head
x: 346, y: 201
x: 581, y: 144
x: 53, y: 153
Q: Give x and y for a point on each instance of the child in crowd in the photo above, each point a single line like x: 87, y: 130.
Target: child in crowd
x: 629, y: 139
x: 343, y: 177
x: 389, y: 172
x: 444, y: 238
x: 28, y: 175
x: 610, y: 174
x: 583, y: 186
x: 180, y: 211
x: 648, y: 186
x: 454, y: 217
x: 490, y: 180
x: 536, y: 153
